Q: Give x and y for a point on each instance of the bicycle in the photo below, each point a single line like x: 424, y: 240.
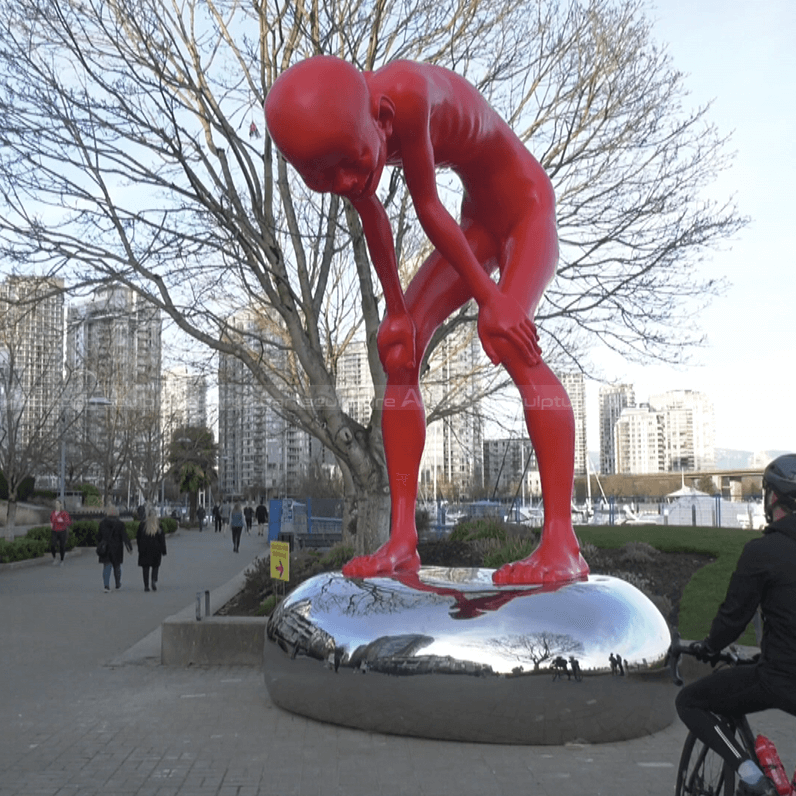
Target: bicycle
x: 703, y: 772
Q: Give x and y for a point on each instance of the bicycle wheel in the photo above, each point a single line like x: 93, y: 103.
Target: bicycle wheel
x: 702, y: 772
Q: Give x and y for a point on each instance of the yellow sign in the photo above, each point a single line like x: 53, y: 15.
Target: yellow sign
x: 280, y: 560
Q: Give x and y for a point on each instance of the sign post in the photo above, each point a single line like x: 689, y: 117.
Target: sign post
x: 280, y: 560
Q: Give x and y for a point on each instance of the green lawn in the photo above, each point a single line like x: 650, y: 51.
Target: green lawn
x: 708, y: 586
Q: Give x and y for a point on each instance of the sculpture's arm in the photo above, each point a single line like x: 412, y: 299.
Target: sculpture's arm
x: 442, y: 229
x: 396, y: 340
x: 378, y: 236
x: 503, y: 326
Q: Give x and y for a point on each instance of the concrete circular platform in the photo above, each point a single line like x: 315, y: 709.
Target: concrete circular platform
x: 446, y: 654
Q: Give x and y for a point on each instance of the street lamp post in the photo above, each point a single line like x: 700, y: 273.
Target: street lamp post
x: 63, y: 457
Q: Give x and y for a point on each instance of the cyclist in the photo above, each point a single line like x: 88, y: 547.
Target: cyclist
x: 765, y: 577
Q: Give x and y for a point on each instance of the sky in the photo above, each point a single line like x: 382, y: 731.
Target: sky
x: 741, y: 56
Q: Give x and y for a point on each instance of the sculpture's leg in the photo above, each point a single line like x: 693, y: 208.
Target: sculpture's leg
x: 404, y: 431
x: 549, y: 418
x: 435, y: 292
x: 551, y: 426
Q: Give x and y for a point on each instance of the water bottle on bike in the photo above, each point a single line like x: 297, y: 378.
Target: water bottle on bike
x: 772, y: 766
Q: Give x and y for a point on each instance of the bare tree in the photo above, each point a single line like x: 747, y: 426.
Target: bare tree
x: 133, y: 150
x: 113, y: 355
x: 148, y: 464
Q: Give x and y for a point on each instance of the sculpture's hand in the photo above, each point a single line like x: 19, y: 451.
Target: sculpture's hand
x: 396, y: 342
x: 506, y: 331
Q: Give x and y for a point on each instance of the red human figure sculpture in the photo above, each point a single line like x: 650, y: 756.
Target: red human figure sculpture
x: 339, y: 127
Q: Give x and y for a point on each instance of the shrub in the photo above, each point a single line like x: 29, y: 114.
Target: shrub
x: 482, y: 528
x: 515, y: 549
x: 91, y: 495
x: 638, y: 551
x: 83, y: 533
x: 41, y: 533
x: 337, y: 556
x: 169, y: 524
x: 267, y: 605
x: 22, y: 549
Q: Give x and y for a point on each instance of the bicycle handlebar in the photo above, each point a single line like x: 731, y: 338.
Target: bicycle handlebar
x: 676, y: 649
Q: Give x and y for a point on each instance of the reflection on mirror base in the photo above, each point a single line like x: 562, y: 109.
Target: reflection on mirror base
x: 448, y: 655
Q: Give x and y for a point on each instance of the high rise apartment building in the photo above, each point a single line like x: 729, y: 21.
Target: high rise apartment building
x: 613, y: 399
x: 114, y: 349
x: 690, y: 429
x: 113, y: 366
x: 673, y: 432
x: 510, y: 467
x: 454, y: 449
x: 260, y: 453
x: 354, y: 383
x: 31, y: 359
x: 183, y: 400
x: 639, y: 441
x: 575, y: 385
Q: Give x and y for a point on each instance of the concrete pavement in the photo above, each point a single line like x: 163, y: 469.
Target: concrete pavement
x: 80, y: 715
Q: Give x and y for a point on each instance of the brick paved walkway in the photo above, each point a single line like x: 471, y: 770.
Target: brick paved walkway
x: 73, y: 724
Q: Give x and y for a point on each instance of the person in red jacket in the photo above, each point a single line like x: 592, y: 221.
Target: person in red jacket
x: 59, y: 522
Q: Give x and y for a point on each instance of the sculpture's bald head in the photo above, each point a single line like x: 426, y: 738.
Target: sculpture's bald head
x: 319, y: 105
x: 323, y: 119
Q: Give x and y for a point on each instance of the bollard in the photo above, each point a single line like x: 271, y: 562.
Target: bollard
x: 198, y: 606
x: 207, y: 602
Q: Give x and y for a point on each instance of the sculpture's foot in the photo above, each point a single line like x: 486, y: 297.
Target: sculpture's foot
x: 548, y: 564
x: 390, y: 559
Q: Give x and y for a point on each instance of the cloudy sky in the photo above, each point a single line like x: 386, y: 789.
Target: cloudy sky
x: 741, y: 56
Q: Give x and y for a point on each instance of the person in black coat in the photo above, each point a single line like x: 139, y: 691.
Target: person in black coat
x: 151, y: 547
x: 765, y: 577
x: 111, y: 541
x: 261, y: 512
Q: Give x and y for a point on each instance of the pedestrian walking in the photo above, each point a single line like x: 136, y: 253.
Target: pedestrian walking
x: 217, y: 521
x: 151, y: 547
x: 226, y: 510
x: 59, y: 522
x: 200, y: 515
x: 111, y: 541
x: 236, y: 521
x: 261, y: 512
x: 248, y: 514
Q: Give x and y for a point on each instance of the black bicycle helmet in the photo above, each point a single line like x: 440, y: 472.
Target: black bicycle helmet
x: 779, y: 478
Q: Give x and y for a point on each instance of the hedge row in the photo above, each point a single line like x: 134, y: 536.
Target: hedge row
x: 83, y: 533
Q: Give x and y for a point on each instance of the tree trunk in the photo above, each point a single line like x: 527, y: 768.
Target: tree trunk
x: 11, y: 515
x: 193, y: 499
x: 366, y: 515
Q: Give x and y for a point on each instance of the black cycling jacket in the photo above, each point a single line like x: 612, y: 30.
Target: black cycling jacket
x: 765, y: 576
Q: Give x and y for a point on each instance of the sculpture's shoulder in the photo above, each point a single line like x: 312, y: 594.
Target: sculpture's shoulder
x: 408, y: 84
x: 413, y: 80
x: 452, y: 107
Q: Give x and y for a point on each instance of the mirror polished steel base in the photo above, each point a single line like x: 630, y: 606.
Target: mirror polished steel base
x: 446, y: 654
